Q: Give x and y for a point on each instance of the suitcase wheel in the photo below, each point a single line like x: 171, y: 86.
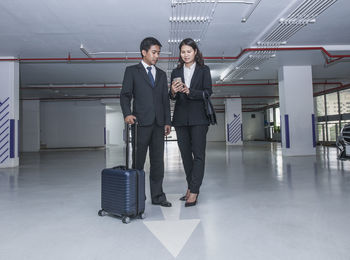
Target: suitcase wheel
x: 126, y: 220
x: 102, y: 213
x: 142, y: 215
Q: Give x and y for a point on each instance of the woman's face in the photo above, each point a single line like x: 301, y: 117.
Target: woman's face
x: 188, y: 54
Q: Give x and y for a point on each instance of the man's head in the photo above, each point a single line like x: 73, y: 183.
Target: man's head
x: 150, y: 49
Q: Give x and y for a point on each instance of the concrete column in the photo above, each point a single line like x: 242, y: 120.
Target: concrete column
x: 233, y: 121
x: 9, y: 113
x: 297, y: 110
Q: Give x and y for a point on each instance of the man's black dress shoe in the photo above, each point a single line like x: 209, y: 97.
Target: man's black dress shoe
x: 164, y: 203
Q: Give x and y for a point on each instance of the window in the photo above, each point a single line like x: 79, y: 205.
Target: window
x: 333, y: 130
x: 344, y: 97
x: 321, y: 132
x: 320, y: 106
x: 332, y: 104
x: 343, y: 123
x: 278, y: 116
x: 270, y: 113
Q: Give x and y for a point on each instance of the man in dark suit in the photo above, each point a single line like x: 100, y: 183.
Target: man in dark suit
x: 146, y: 85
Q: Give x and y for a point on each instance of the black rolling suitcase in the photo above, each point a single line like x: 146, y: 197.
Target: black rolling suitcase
x: 123, y: 189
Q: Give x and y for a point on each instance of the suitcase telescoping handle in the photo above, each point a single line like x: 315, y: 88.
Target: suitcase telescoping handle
x: 128, y: 130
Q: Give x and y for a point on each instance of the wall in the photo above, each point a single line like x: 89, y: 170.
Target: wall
x: 217, y: 132
x: 30, y: 126
x: 72, y: 124
x: 114, y: 125
x: 253, y: 128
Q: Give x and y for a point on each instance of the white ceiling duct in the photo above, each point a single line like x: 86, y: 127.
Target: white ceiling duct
x: 278, y: 35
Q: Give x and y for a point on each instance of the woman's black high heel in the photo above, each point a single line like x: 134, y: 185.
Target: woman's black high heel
x: 190, y: 204
x: 183, y: 198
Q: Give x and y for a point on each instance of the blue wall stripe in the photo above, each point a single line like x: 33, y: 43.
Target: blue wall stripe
x: 104, y: 135
x: 4, y: 138
x: 12, y: 138
x: 4, y: 123
x: 236, y: 135
x: 234, y: 130
x: 4, y: 101
x: 18, y: 139
x: 4, y: 159
x: 286, y: 122
x: 241, y: 132
x: 228, y: 132
x: 4, y: 109
x: 4, y: 116
x: 4, y: 130
x: 4, y: 145
x: 313, y: 130
x: 4, y: 152
x: 281, y: 130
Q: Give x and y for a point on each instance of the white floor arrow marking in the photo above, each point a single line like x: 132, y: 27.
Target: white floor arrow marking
x: 172, y: 232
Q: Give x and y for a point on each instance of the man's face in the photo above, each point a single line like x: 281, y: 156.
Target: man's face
x: 151, y: 56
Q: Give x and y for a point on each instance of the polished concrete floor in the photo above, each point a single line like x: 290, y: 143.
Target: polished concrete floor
x: 254, y: 204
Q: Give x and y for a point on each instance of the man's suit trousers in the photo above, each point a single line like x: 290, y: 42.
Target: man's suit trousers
x: 151, y: 137
x: 192, y: 142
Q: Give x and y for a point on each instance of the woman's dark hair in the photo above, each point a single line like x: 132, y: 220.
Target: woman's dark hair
x: 147, y: 43
x: 198, y: 58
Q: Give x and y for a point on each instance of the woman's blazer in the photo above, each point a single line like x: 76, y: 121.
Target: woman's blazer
x: 189, y: 109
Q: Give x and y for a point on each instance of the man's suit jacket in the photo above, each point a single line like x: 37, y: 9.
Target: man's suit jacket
x: 189, y: 109
x: 150, y: 104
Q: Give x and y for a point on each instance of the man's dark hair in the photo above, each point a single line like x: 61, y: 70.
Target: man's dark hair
x: 147, y: 43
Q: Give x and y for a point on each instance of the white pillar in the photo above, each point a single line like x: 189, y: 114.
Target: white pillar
x: 9, y: 113
x: 297, y: 110
x: 233, y: 121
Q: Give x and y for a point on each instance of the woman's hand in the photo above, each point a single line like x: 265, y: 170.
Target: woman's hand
x: 185, y: 89
x: 176, y: 86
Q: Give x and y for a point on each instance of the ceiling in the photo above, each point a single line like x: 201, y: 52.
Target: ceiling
x: 47, y: 29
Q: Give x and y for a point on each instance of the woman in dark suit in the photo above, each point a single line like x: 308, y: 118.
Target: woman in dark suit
x: 189, y: 81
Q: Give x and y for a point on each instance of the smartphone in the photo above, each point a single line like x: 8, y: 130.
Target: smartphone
x: 177, y: 79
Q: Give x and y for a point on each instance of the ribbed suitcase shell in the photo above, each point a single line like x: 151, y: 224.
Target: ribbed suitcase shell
x: 123, y: 191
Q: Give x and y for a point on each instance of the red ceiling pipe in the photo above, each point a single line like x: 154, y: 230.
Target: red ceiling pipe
x: 244, y: 84
x: 341, y: 87
x: 245, y: 97
x: 72, y: 98
x: 327, y: 83
x: 270, y: 84
x: 172, y: 58
x: 117, y: 96
x: 73, y: 87
x: 214, y: 85
x: 331, y: 61
x: 248, y: 104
